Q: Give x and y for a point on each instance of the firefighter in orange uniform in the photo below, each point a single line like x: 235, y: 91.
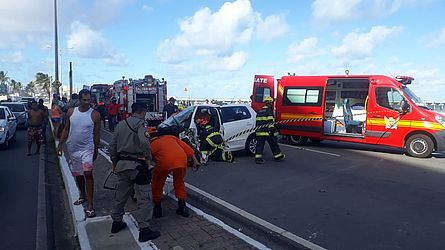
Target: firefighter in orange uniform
x: 171, y: 155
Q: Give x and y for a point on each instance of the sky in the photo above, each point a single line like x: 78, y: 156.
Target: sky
x: 214, y: 48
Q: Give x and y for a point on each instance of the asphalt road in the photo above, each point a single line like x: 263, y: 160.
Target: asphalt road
x: 18, y: 194
x: 339, y: 195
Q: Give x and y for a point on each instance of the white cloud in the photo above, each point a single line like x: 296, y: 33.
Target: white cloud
x: 335, y: 9
x: 435, y: 40
x: 229, y: 63
x: 147, y: 8
x: 213, y: 35
x: 304, y: 50
x: 88, y: 43
x: 16, y: 57
x: 117, y: 60
x: 272, y: 27
x: 340, y: 10
x: 359, y: 46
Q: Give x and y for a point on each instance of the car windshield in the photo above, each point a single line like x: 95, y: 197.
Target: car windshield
x: 2, y: 114
x: 15, y: 107
x: 179, y: 118
x: 414, y: 98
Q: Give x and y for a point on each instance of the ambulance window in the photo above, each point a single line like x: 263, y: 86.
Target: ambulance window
x: 302, y: 96
x: 261, y: 93
x: 388, y: 98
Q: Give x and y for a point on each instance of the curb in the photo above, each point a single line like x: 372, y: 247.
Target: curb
x: 42, y: 229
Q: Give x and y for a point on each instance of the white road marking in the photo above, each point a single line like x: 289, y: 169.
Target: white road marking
x: 257, y: 220
x: 110, y: 133
x: 226, y: 227
x: 311, y: 150
x: 243, y: 213
x: 212, y: 219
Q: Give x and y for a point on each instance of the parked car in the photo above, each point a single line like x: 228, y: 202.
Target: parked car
x: 228, y: 119
x: 8, y: 126
x: 20, y: 112
x: 27, y: 101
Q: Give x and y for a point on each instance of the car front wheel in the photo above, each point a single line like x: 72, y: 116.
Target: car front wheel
x: 5, y: 144
x: 251, y: 145
x: 297, y: 140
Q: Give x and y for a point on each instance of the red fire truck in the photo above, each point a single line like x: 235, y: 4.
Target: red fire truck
x: 370, y: 109
x: 101, y: 92
x: 149, y: 90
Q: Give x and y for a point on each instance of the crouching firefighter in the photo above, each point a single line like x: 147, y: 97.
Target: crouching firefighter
x: 130, y: 153
x: 266, y: 131
x: 171, y: 155
x: 211, y: 142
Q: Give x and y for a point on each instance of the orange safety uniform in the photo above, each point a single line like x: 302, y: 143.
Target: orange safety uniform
x: 170, y: 154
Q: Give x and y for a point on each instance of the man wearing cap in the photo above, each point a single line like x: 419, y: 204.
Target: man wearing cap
x: 265, y: 123
x: 170, y: 108
x: 130, y: 154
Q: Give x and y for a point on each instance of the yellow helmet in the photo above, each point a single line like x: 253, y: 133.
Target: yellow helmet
x: 268, y: 99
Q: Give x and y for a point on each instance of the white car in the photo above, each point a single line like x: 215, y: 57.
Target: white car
x: 230, y: 120
x: 8, y: 126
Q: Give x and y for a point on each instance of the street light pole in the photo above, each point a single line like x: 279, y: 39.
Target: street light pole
x: 56, y: 47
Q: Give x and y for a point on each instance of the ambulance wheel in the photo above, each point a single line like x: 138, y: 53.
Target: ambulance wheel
x: 297, y: 140
x: 316, y: 141
x: 419, y: 146
x: 251, y: 145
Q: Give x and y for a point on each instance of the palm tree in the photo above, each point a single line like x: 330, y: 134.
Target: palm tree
x: 4, y: 80
x: 29, y: 89
x: 15, y: 86
x: 42, y: 80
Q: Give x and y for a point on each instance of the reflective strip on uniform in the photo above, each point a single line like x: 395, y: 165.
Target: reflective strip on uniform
x: 258, y: 156
x: 278, y: 155
x: 264, y: 118
x: 211, y: 142
x: 262, y: 133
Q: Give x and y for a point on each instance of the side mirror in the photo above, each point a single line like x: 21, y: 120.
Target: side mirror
x: 11, y: 118
x: 404, y: 107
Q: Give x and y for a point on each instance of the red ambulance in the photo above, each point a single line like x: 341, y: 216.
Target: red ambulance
x: 369, y: 109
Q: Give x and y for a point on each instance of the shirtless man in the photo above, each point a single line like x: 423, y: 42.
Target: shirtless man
x: 35, y: 131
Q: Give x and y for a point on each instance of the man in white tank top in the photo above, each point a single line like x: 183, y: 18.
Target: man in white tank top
x: 82, y: 136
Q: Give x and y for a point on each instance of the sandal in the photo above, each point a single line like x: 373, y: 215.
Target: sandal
x: 79, y: 201
x: 90, y: 213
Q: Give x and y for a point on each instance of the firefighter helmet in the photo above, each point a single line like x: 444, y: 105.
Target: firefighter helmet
x: 268, y: 99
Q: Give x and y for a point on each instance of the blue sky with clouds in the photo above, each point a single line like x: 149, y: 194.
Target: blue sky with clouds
x: 213, y: 48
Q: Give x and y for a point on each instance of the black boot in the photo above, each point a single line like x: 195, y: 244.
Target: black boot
x: 157, y: 210
x: 117, y: 226
x: 182, y: 209
x: 145, y: 234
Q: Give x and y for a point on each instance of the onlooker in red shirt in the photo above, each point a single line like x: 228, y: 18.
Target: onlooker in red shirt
x: 113, y: 111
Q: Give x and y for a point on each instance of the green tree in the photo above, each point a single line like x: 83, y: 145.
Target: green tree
x: 16, y: 86
x: 43, y: 81
x: 4, y: 80
x: 30, y: 89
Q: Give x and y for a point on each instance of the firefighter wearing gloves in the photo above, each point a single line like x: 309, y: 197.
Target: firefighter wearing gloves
x: 171, y: 156
x: 266, y: 131
x: 211, y: 142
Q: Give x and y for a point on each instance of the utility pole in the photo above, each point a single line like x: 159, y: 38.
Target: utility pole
x: 71, y: 79
x: 56, y: 47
